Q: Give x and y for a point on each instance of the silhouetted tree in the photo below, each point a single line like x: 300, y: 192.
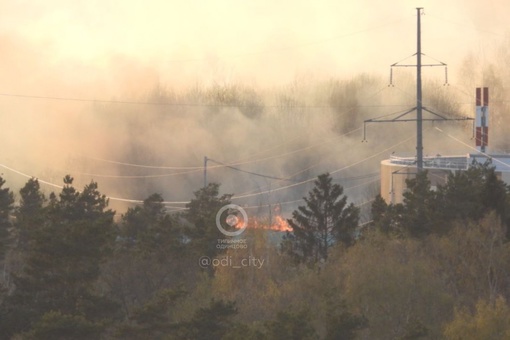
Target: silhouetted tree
x: 62, y: 263
x: 6, y: 207
x: 201, y: 213
x: 325, y: 220
x: 150, y: 255
x: 151, y: 230
x: 420, y: 206
x: 30, y: 213
x: 472, y: 194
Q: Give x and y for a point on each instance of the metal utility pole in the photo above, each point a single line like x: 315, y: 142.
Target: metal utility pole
x: 419, y: 121
x: 419, y: 108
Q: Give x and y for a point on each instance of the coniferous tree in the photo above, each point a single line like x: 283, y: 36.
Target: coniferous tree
x: 472, y: 194
x: 324, y: 221
x: 62, y: 262
x: 30, y: 213
x: 494, y: 195
x: 150, y: 255
x: 460, y: 197
x: 6, y: 207
x: 418, y: 217
x: 201, y: 213
x: 151, y: 230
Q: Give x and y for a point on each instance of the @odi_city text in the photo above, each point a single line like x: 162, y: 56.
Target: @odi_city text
x: 229, y: 261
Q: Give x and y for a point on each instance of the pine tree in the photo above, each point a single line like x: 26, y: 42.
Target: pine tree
x: 6, y: 207
x: 419, y: 213
x: 62, y: 262
x: 30, y: 213
x: 150, y: 254
x: 324, y: 221
x: 151, y: 230
x: 201, y: 213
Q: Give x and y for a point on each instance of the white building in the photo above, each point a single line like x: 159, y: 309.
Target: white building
x: 397, y: 169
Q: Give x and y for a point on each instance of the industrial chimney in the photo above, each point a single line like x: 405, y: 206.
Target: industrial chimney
x: 482, y: 118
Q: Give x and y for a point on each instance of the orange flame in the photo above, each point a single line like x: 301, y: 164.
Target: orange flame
x: 279, y: 224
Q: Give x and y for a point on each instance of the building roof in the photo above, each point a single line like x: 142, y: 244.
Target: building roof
x: 454, y: 162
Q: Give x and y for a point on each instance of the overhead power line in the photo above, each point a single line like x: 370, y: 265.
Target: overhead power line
x: 127, y: 200
x: 332, y: 172
x: 249, y: 172
x: 182, y: 104
x: 137, y: 201
x: 235, y: 163
x: 471, y: 147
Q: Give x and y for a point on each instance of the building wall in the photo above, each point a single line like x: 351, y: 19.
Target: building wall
x: 393, y: 180
x: 505, y: 177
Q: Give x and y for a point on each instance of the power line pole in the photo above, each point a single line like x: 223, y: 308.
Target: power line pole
x: 419, y: 107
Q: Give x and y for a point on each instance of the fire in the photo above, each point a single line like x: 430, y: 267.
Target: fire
x: 279, y: 224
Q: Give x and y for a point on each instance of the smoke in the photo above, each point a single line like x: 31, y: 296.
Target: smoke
x: 267, y: 145
x: 277, y: 90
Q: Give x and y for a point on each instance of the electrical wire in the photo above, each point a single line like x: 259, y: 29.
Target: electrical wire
x: 165, y: 167
x: 199, y: 168
x: 235, y: 105
x: 475, y: 149
x: 221, y: 165
x: 134, y: 176
x: 136, y: 201
x: 331, y: 173
x: 330, y: 140
x: 249, y: 172
x: 127, y: 200
x: 343, y: 113
x: 301, y: 200
x: 28, y: 176
x: 319, y: 144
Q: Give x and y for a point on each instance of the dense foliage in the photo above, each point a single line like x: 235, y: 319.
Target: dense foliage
x: 435, y: 266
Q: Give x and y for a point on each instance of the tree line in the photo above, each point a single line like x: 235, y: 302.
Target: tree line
x: 435, y: 266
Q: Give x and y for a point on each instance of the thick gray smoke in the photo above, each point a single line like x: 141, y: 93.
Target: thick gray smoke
x: 289, y: 112
x: 156, y: 142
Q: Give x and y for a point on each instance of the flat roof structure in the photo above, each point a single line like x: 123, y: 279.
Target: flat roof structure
x: 396, y: 169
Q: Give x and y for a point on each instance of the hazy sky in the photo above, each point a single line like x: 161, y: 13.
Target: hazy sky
x: 264, y: 42
x: 121, y: 49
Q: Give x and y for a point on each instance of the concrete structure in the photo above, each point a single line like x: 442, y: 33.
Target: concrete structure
x: 397, y: 169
